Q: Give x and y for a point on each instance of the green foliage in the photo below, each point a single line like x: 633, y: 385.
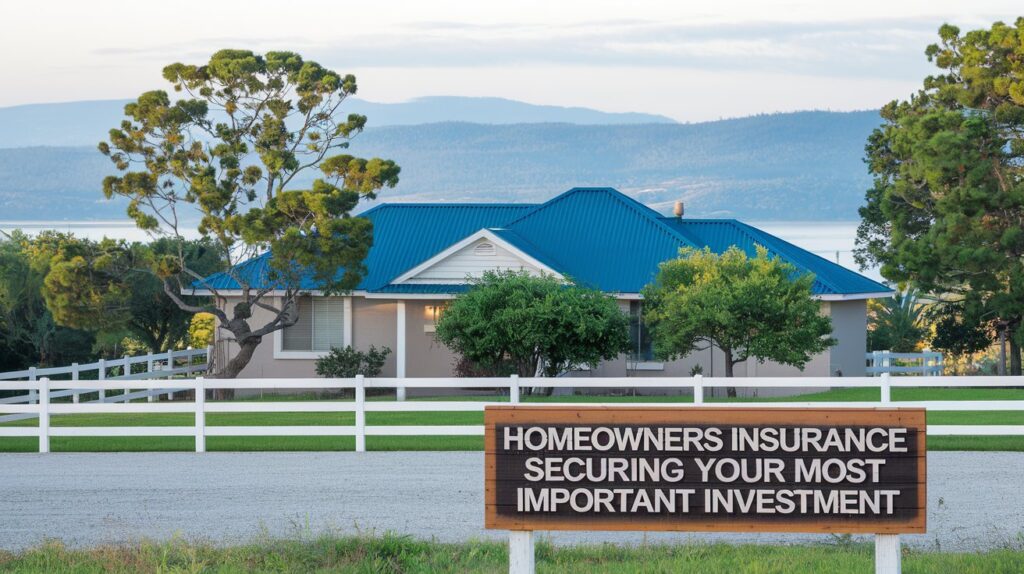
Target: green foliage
x: 117, y: 288
x: 200, y: 150
x: 959, y: 335
x: 28, y: 334
x: 64, y: 299
x: 946, y: 209
x: 86, y: 284
x: 349, y: 362
x: 326, y: 553
x: 230, y: 150
x: 897, y: 324
x: 512, y: 322
x: 748, y: 307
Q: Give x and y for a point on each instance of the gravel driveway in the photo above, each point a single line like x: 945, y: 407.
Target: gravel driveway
x: 975, y: 499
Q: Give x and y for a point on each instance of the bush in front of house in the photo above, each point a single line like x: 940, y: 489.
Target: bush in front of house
x: 348, y: 362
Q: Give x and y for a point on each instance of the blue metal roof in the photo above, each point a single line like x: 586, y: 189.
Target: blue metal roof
x: 601, y: 238
x: 720, y: 234
x: 404, y: 235
x: 595, y: 236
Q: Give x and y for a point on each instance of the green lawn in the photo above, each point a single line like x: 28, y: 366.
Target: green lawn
x: 104, y: 444
x: 393, y: 554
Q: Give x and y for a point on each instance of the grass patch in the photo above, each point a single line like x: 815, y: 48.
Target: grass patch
x: 397, y: 554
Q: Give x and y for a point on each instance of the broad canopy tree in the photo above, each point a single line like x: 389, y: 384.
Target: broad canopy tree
x: 747, y: 307
x: 946, y: 211
x: 231, y: 152
x: 510, y: 322
x: 28, y: 333
x: 107, y: 287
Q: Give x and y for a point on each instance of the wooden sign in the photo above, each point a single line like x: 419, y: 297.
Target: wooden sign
x: 705, y: 469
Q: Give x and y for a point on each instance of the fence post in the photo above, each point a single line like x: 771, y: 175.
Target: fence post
x: 209, y: 358
x: 698, y: 389
x: 33, y: 395
x: 887, y: 554
x: 521, y: 555
x: 200, y: 415
x: 102, y: 376
x: 125, y: 371
x: 44, y: 415
x: 74, y: 377
x: 167, y: 366
x: 188, y: 360
x: 149, y: 369
x: 360, y: 414
x: 513, y: 390
x: 886, y: 389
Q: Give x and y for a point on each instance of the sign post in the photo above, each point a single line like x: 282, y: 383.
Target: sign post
x: 705, y: 469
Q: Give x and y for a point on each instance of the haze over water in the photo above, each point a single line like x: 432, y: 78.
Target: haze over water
x: 833, y: 240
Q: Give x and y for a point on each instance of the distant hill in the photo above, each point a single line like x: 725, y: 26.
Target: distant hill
x: 793, y: 166
x: 86, y: 123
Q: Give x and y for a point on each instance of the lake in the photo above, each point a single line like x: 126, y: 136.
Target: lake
x: 833, y: 240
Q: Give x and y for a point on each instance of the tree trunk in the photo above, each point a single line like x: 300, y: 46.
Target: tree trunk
x: 235, y: 366
x: 1015, y: 368
x: 1001, y: 366
x: 729, y: 391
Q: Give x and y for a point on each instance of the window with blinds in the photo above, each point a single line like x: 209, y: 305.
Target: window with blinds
x: 321, y: 325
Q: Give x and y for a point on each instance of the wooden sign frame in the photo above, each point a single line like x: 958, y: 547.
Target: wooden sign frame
x: 912, y: 419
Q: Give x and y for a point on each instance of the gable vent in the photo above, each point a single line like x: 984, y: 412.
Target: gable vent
x: 484, y: 249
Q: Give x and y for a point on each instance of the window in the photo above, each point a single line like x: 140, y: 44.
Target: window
x: 321, y: 325
x: 642, y: 345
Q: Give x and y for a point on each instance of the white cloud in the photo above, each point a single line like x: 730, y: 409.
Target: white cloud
x: 731, y: 57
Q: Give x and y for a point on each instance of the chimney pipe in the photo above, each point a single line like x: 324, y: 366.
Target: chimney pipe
x: 678, y: 210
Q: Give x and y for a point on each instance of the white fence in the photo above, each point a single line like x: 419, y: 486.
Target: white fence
x: 927, y: 363
x: 156, y: 366
x: 513, y: 385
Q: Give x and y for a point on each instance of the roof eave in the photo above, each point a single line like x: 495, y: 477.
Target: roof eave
x: 854, y: 296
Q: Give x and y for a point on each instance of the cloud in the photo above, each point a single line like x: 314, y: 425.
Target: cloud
x: 867, y: 48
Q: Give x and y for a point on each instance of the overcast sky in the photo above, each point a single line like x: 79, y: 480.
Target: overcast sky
x: 687, y: 59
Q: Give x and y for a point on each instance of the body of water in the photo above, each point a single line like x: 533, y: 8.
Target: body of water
x: 833, y: 240
x: 116, y: 229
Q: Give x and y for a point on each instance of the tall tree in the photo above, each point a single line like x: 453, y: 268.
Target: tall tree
x: 28, y: 334
x: 512, y: 322
x: 109, y: 287
x: 231, y: 152
x: 958, y: 334
x: 748, y: 307
x: 946, y: 210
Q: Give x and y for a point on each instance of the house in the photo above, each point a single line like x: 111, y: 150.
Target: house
x: 424, y: 253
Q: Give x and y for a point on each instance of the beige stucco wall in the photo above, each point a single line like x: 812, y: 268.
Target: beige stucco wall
x: 374, y: 321
x: 849, y: 324
x: 425, y: 356
x: 850, y: 327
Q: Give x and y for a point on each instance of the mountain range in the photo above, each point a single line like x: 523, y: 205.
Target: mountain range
x: 788, y: 166
x: 85, y: 123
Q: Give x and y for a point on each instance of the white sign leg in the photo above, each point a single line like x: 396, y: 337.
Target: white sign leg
x: 887, y: 554
x: 520, y: 552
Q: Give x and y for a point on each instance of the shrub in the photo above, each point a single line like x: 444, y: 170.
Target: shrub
x: 348, y: 362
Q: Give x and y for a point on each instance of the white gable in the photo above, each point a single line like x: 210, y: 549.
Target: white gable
x: 481, y: 254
